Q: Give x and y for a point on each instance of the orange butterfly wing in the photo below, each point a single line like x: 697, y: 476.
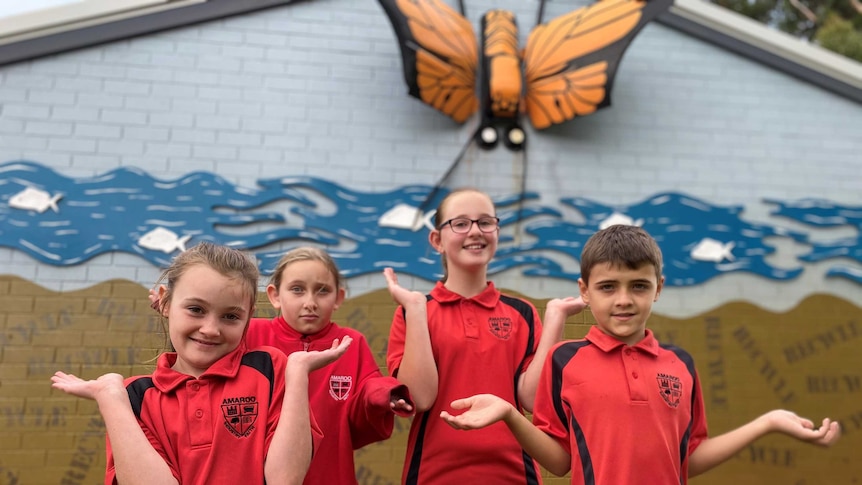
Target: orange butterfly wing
x: 570, y: 62
x: 439, y: 54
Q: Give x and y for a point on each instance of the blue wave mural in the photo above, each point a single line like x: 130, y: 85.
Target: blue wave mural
x: 65, y: 221
x: 825, y: 214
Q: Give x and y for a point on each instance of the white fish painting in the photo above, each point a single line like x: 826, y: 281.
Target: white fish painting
x: 165, y: 240
x: 35, y: 200
x: 405, y: 216
x: 714, y: 251
x: 621, y: 219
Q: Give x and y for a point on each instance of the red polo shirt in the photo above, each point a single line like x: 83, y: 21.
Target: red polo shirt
x: 350, y: 397
x: 481, y: 345
x: 216, y: 428
x: 626, y: 414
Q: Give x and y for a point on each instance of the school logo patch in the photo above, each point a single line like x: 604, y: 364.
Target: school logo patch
x: 501, y: 327
x: 670, y: 388
x: 239, y: 413
x: 339, y: 387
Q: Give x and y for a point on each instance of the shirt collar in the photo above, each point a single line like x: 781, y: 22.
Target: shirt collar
x: 608, y: 343
x: 488, y: 298
x: 166, y: 379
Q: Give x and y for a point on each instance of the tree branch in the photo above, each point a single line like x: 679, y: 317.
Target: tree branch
x: 805, y: 11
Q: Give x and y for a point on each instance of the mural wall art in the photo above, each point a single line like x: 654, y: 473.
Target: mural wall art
x: 64, y: 221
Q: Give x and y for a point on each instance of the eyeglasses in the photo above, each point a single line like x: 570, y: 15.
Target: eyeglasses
x: 462, y: 225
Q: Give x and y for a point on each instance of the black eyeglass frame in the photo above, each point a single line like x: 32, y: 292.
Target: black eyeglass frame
x: 472, y: 221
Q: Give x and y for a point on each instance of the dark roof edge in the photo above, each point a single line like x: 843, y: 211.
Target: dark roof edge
x: 781, y: 51
x: 129, y: 27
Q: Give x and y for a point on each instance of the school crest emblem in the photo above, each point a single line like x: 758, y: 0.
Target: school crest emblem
x: 339, y: 387
x: 501, y: 327
x: 670, y: 388
x: 240, y: 413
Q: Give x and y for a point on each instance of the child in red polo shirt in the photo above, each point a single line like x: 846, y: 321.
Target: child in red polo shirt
x: 474, y: 340
x: 617, y: 407
x: 355, y: 404
x: 213, y: 411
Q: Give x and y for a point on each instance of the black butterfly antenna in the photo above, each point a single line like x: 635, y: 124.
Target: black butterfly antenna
x: 461, y: 6
x: 522, y: 197
x: 541, y: 13
x: 445, y: 178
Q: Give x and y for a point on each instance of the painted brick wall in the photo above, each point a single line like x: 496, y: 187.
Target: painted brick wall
x: 315, y: 88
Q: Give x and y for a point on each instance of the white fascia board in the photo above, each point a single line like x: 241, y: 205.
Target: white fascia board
x: 778, y: 43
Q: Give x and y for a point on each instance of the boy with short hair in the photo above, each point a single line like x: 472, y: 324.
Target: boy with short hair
x: 617, y: 407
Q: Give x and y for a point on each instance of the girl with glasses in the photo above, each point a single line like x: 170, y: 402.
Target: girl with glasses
x: 476, y: 340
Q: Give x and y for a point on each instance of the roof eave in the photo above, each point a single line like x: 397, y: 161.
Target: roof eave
x: 697, y: 18
x: 97, y: 32
x: 749, y: 38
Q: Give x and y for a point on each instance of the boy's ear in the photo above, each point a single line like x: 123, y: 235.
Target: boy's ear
x: 584, y: 289
x: 272, y: 294
x: 658, y: 288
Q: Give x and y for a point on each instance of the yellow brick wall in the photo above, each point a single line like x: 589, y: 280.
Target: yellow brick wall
x: 749, y: 361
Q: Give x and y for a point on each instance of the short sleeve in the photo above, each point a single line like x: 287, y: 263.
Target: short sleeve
x: 548, y: 410
x: 699, y: 430
x: 537, y: 336
x: 144, y: 421
x: 279, y: 363
x: 395, y: 348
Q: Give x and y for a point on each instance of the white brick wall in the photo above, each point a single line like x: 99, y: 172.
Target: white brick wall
x: 315, y: 88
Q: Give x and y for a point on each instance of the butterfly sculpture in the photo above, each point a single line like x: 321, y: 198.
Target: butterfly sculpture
x: 566, y: 69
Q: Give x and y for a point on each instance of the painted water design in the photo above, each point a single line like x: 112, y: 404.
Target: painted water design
x: 66, y: 221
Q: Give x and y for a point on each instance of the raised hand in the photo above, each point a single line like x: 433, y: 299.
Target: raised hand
x: 401, y: 295
x: 482, y: 410
x: 315, y: 359
x: 571, y: 305
x: 88, y: 389
x: 803, y: 429
x: 153, y: 295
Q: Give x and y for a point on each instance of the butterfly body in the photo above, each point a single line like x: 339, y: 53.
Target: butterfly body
x: 566, y: 69
x: 501, y: 83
